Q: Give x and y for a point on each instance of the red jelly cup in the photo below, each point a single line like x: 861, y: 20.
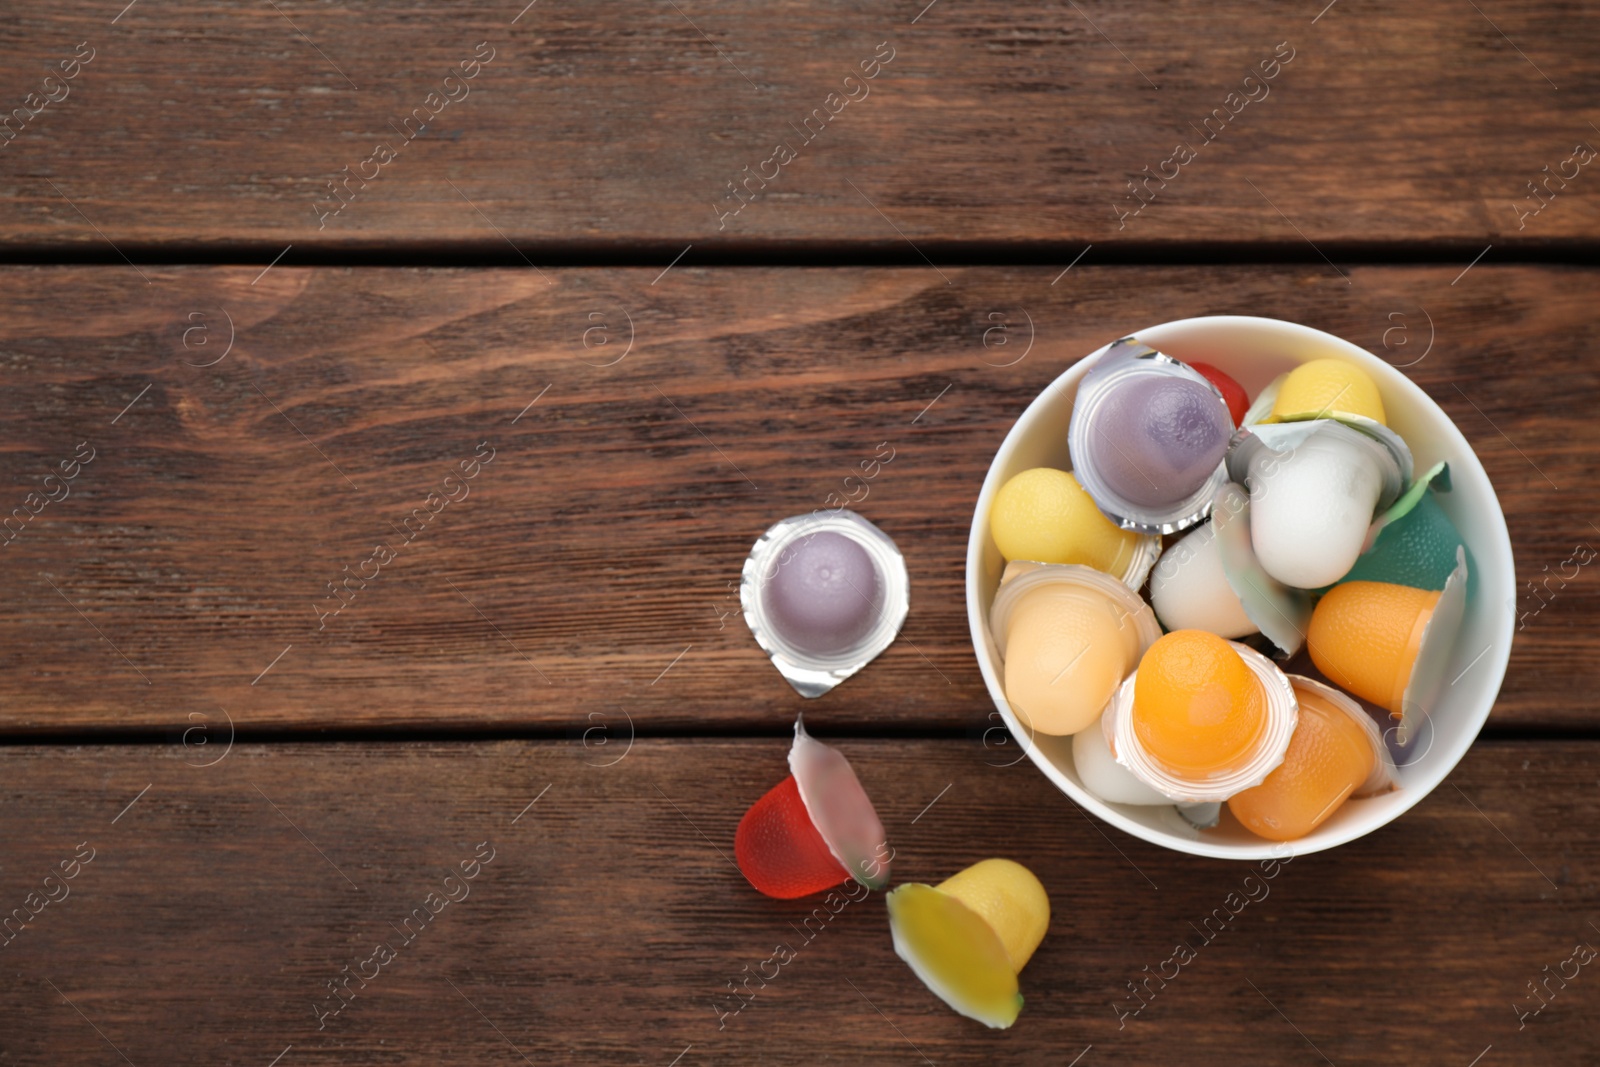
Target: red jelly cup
x: 813, y: 830
x: 1238, y: 400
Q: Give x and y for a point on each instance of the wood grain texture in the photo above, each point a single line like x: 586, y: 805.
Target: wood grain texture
x: 207, y: 924
x: 611, y: 124
x: 591, y: 567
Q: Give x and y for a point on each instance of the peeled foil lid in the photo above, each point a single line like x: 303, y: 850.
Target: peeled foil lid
x: 1283, y: 715
x: 813, y: 674
x: 1280, y: 612
x: 1385, y: 777
x: 1202, y: 816
x: 839, y: 808
x: 1011, y: 593
x: 1438, y: 644
x: 1260, y: 411
x: 1146, y: 551
x: 1124, y: 359
x: 1282, y: 438
x: 1437, y: 477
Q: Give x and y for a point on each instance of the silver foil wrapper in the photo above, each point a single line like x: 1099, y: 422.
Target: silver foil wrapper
x: 813, y: 674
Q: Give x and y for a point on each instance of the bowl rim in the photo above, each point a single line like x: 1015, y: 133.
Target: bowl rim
x: 1498, y: 558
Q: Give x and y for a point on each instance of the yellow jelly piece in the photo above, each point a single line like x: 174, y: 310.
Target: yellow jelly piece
x: 1197, y: 708
x: 1045, y: 515
x: 1067, y: 649
x: 1324, y: 388
x: 967, y: 938
x: 955, y: 953
x: 1328, y: 758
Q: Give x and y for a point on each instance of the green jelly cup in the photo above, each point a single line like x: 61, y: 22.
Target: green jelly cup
x: 1418, y: 549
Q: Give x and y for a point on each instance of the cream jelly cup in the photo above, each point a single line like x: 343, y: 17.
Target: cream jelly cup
x: 1068, y: 677
x: 1315, y: 488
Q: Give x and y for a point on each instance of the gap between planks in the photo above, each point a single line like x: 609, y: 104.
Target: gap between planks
x: 650, y: 254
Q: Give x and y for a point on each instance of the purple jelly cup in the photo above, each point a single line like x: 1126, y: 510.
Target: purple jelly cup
x: 824, y: 594
x: 1147, y: 438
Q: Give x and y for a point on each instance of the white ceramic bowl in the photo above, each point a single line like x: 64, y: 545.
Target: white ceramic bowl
x: 1255, y: 351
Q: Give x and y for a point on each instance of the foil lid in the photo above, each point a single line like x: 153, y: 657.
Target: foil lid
x: 1280, y: 612
x: 1282, y: 438
x: 1436, y: 477
x: 813, y: 673
x: 1438, y: 646
x: 1124, y: 361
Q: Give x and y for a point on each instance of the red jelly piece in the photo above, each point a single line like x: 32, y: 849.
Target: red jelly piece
x: 1238, y: 400
x: 779, y: 851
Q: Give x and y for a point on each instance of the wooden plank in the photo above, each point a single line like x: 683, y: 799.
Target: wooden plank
x: 609, y: 922
x: 609, y: 124
x: 591, y: 567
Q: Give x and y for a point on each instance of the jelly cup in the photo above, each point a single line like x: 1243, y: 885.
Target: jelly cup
x: 1232, y: 392
x: 1045, y: 516
x: 1147, y: 437
x: 1281, y: 713
x: 969, y: 937
x: 824, y: 594
x: 1072, y: 633
x: 1315, y: 488
x: 1389, y: 644
x: 1336, y: 755
x: 1324, y: 388
x: 1385, y: 776
x: 813, y: 830
x: 1255, y: 352
x: 1189, y: 588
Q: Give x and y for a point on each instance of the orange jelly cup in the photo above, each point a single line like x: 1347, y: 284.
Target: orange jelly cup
x: 1336, y: 753
x: 1201, y: 718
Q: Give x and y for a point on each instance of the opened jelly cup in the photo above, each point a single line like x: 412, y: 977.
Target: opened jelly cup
x: 1255, y: 352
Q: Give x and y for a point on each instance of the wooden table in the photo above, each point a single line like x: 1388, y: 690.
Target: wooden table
x: 662, y: 275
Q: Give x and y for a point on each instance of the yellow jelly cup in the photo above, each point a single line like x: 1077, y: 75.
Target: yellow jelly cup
x: 1325, y: 389
x: 1043, y: 515
x: 969, y: 937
